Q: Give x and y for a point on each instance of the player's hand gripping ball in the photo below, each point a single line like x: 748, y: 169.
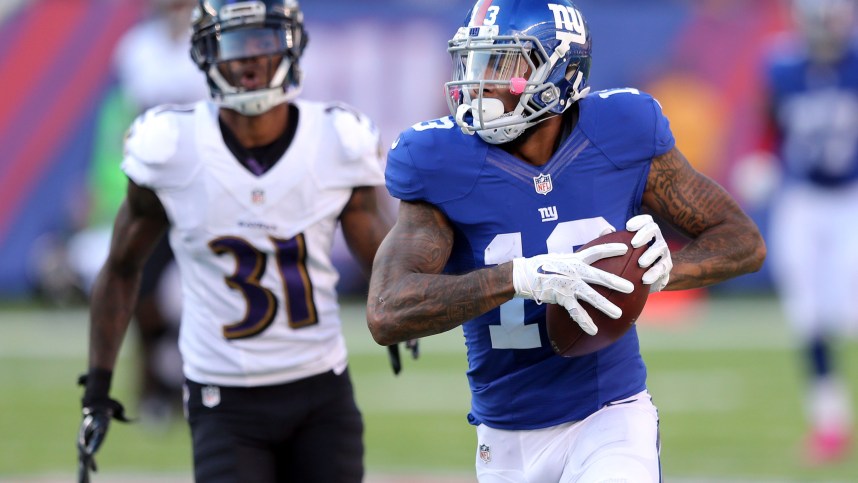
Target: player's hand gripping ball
x: 566, y: 336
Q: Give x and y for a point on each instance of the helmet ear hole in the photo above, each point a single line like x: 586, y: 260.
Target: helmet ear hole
x: 571, y: 70
x: 535, y: 57
x: 304, y: 40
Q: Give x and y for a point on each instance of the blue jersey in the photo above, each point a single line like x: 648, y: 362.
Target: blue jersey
x: 816, y: 114
x: 501, y: 207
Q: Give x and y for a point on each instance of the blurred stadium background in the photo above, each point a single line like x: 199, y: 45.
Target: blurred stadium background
x: 387, y: 58
x: 721, y: 363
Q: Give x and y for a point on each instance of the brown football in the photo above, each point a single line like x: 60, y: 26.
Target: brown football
x: 567, y: 338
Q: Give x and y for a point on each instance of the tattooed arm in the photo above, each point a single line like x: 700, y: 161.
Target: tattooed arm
x: 724, y: 242
x: 408, y: 295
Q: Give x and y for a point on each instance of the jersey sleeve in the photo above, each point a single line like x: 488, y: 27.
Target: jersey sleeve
x: 663, y: 136
x: 358, y: 138
x: 151, y: 146
x: 402, y: 179
x: 434, y: 161
x: 629, y: 126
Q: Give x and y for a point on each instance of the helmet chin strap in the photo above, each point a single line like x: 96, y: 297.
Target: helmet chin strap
x: 501, y: 135
x: 482, y: 110
x: 255, y: 103
x: 461, y: 112
x: 485, y: 110
x: 258, y: 101
x: 578, y: 94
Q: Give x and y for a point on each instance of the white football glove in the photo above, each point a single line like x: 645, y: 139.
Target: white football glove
x: 659, y: 271
x: 565, y: 278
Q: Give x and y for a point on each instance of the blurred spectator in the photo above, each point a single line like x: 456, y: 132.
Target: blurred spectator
x: 812, y: 88
x: 152, y: 67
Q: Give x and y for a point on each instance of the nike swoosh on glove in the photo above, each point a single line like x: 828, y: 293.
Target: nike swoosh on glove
x: 565, y: 279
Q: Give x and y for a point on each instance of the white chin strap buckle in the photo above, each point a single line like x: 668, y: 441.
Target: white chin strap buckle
x: 579, y: 94
x: 491, y: 110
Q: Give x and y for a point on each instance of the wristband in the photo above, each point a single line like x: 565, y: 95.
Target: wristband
x: 97, y: 385
x: 519, y: 279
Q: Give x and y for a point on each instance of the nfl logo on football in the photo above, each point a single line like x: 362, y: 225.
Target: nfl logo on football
x: 485, y: 453
x: 542, y: 183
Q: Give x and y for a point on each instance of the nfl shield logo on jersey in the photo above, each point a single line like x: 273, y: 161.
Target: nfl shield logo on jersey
x: 211, y: 396
x: 542, y: 183
x: 257, y: 196
x: 485, y: 453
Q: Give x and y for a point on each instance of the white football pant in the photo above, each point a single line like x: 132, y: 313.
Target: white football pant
x: 618, y: 444
x: 813, y: 246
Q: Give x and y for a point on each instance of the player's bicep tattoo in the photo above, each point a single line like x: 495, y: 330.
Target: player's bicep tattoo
x: 684, y: 197
x: 422, y: 238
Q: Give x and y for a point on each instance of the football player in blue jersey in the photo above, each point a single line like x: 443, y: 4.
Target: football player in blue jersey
x: 812, y: 84
x: 495, y: 198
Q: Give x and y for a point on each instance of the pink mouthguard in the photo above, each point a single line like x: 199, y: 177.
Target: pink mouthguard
x: 517, y: 85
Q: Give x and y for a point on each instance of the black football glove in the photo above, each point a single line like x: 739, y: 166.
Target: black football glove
x: 98, y: 410
x: 393, y: 351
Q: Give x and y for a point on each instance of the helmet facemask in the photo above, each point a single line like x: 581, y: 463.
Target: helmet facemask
x: 249, y: 52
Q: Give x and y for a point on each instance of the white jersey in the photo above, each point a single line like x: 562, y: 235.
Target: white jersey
x: 260, y: 305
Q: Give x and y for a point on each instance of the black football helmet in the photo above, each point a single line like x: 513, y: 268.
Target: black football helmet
x: 235, y: 30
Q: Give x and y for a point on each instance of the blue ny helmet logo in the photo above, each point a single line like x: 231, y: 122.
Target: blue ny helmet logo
x: 569, y: 24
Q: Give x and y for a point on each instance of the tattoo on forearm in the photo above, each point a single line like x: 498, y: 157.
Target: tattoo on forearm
x: 408, y: 285
x: 725, y: 242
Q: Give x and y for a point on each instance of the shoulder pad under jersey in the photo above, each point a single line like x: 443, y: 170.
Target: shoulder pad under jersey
x: 357, y: 133
x: 152, y: 144
x: 352, y: 140
x: 153, y: 137
x: 627, y: 125
x: 434, y: 161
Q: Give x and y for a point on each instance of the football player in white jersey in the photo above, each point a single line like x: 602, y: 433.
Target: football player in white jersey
x: 250, y: 188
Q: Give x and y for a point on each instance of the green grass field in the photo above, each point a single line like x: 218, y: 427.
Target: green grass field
x: 726, y: 382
